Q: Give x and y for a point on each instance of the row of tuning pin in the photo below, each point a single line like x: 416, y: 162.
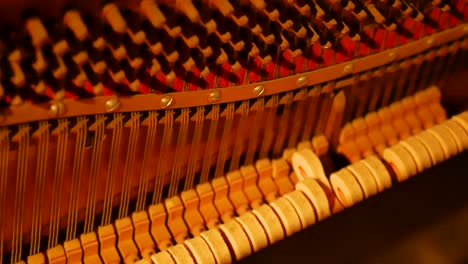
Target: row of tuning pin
x: 127, y: 45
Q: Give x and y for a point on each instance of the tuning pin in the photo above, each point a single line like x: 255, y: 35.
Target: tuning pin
x: 117, y: 76
x: 113, y: 67
x: 151, y: 11
x: 239, y: 19
x: 325, y: 36
x: 222, y: 5
x: 131, y: 76
x: 72, y: 19
x: 272, y: 13
x: 98, y: 87
x: 37, y: 31
x: 203, y: 45
x: 222, y: 29
x: 258, y: 4
x: 113, y: 16
x: 40, y: 65
x: 171, y: 26
x: 191, y: 41
x: 200, y: 62
x: 166, y: 68
x: 222, y: 58
x: 284, y: 45
x: 155, y: 67
x: 187, y: 8
x: 268, y: 29
x: 378, y: 17
x: 18, y: 77
x: 80, y: 79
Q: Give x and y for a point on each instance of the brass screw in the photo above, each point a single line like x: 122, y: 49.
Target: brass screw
x: 166, y: 101
x: 112, y: 104
x: 57, y: 109
x: 430, y: 41
x: 302, y: 81
x: 258, y: 90
x: 214, y: 96
x: 348, y: 69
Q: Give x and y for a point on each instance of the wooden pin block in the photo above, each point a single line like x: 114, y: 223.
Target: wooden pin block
x: 38, y: 258
x: 458, y: 133
x: 162, y: 257
x: 265, y: 180
x: 207, y: 208
x: 175, y: 220
x: 432, y: 146
x: 380, y: 172
x: 235, y: 236
x: 221, y: 200
x: 251, y: 190
x: 73, y: 251
x: 287, y: 215
x: 217, y: 245
x: 270, y: 223
x: 401, y: 162
x: 158, y: 229
x: 254, y: 231
x: 56, y: 255
x: 180, y: 254
x: 125, y: 243
x: 280, y: 174
x: 446, y: 140
x: 346, y: 188
x: 303, y: 207
x: 200, y: 250
x: 107, y: 241
x: 316, y: 195
x: 90, y: 246
x: 192, y: 216
x: 236, y: 194
x: 142, y: 237
x: 365, y: 178
x: 307, y: 165
x: 418, y: 152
